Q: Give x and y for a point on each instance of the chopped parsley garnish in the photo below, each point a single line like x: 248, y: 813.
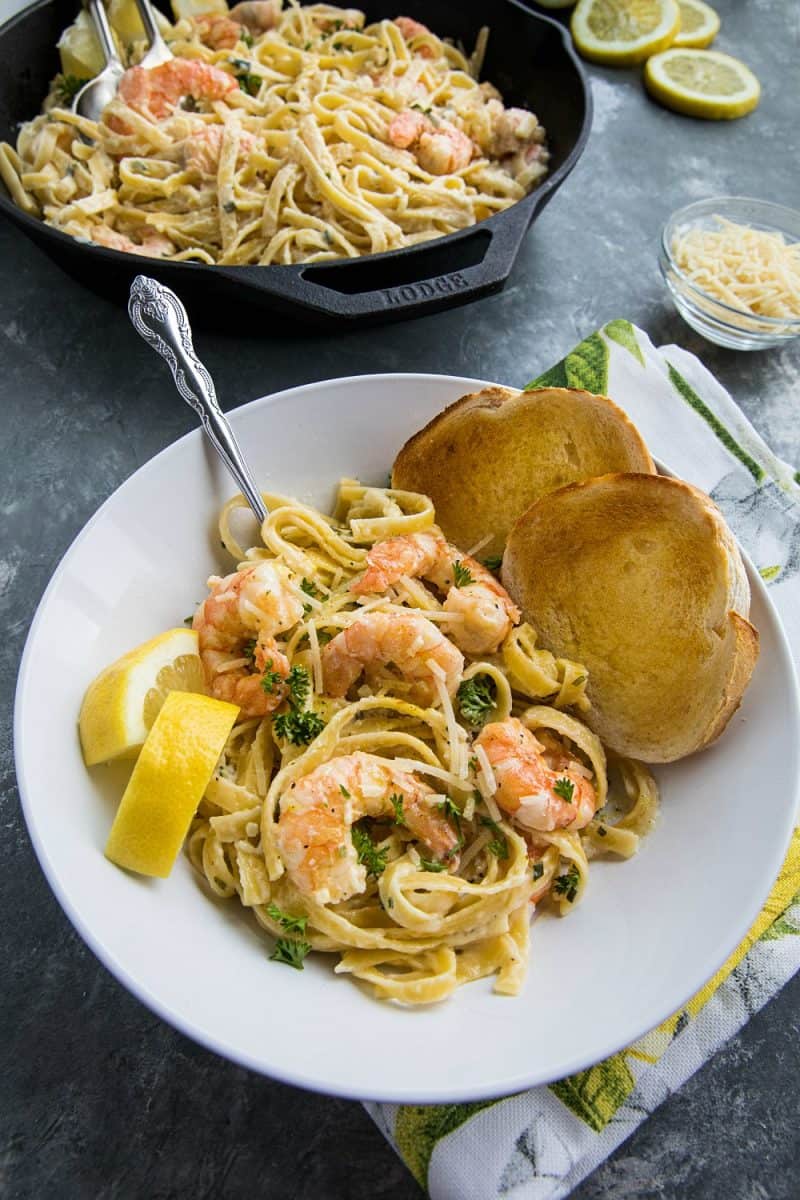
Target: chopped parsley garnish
x: 430, y: 864
x: 461, y: 575
x: 564, y: 788
x: 188, y: 621
x: 290, y: 952
x: 68, y: 87
x: 290, y: 923
x: 270, y: 679
x: 299, y: 686
x: 307, y: 46
x: 229, y: 206
x: 312, y: 590
x: 299, y: 728
x: 344, y: 791
x: 476, y: 699
x: 246, y: 36
x: 538, y: 870
x: 474, y: 765
x: 498, y: 846
x: 493, y: 562
x: 368, y: 853
x: 189, y: 104
x: 420, y: 108
x: 249, y: 650
x: 567, y: 885
x: 328, y: 236
x: 249, y: 83
x: 602, y: 831
x: 451, y: 810
x: 397, y: 804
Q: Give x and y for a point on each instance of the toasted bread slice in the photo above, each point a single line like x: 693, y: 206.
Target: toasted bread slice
x: 492, y: 454
x: 639, y: 578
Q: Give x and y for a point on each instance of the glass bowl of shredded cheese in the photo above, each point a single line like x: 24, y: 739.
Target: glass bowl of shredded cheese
x: 732, y: 266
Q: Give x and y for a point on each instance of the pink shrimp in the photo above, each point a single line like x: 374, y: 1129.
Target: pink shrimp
x: 236, y: 625
x: 153, y: 244
x: 201, y: 149
x: 216, y: 31
x: 409, y: 641
x: 411, y: 29
x: 512, y: 129
x: 156, y: 91
x: 486, y: 610
x: 439, y: 149
x: 259, y: 16
x: 317, y: 814
x: 539, y: 788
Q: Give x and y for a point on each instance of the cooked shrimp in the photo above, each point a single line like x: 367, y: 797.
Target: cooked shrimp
x: 487, y: 611
x: 156, y: 91
x: 409, y: 641
x: 411, y: 29
x: 256, y: 15
x: 317, y: 814
x: 541, y: 789
x: 512, y: 129
x: 216, y: 31
x: 201, y: 149
x: 153, y: 244
x: 237, y: 623
x: 439, y: 149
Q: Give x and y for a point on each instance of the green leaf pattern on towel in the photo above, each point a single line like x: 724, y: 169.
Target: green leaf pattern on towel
x: 420, y: 1126
x: 691, y: 397
x: 622, y: 332
x: 596, y: 1094
x: 584, y: 367
x: 786, y: 925
x: 555, y: 377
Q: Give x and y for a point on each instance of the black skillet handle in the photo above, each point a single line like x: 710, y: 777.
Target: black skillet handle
x: 405, y: 283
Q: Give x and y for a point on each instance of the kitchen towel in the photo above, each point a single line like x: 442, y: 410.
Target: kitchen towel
x: 540, y: 1144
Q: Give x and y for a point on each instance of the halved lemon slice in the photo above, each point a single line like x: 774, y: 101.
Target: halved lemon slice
x: 124, y: 700
x: 620, y: 33
x: 702, y: 83
x: 197, y: 8
x: 699, y: 24
x: 79, y: 48
x: 169, y: 779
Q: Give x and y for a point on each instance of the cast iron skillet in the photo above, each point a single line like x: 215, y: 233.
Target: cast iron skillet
x: 529, y: 58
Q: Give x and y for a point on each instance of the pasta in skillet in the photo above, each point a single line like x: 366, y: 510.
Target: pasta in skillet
x: 409, y: 773
x: 281, y: 136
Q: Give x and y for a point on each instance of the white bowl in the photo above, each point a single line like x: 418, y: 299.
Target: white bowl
x: 649, y: 933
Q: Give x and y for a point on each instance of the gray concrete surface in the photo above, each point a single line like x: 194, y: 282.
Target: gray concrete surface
x: 99, y: 1099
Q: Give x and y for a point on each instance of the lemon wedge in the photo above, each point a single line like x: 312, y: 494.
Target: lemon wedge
x: 699, y: 24
x: 123, y: 701
x: 167, y: 784
x: 702, y: 83
x: 79, y: 48
x: 620, y: 33
x: 197, y: 8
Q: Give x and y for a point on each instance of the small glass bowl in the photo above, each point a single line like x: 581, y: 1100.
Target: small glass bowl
x: 715, y: 320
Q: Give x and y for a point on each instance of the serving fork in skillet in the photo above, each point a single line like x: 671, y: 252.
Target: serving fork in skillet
x: 98, y: 92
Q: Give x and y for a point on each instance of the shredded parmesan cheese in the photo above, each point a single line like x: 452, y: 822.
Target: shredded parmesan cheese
x: 473, y: 550
x: 486, y: 780
x: 316, y: 659
x: 749, y: 269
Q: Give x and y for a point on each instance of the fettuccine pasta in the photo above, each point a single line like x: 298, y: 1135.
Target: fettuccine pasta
x: 409, y: 777
x: 280, y: 136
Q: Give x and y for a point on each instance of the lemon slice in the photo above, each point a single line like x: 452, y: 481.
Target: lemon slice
x: 699, y: 24
x: 123, y: 701
x: 79, y: 48
x: 167, y: 784
x: 702, y: 83
x: 197, y: 8
x: 619, y: 33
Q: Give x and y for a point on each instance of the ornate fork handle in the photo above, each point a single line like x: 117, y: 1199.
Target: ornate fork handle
x: 159, y: 317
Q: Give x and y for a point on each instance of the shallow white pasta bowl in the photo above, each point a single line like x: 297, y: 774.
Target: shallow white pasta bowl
x: 649, y: 933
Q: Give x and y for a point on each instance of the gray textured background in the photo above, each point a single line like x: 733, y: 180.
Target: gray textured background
x: 99, y: 1098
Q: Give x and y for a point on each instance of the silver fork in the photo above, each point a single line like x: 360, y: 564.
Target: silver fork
x: 98, y: 92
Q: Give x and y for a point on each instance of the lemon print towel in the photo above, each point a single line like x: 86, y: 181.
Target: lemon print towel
x: 540, y: 1144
